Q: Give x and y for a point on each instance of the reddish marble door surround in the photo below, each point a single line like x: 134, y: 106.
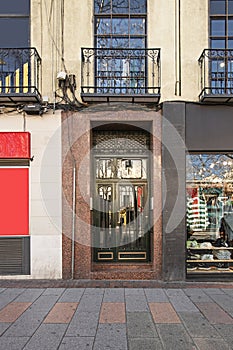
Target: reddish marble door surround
x: 76, y: 144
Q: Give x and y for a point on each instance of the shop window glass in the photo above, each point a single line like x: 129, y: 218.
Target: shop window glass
x: 209, y: 216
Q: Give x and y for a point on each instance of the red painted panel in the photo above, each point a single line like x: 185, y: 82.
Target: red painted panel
x: 15, y: 145
x: 14, y: 201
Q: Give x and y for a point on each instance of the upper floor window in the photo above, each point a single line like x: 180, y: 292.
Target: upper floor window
x: 120, y: 23
x: 221, y: 24
x: 14, y: 23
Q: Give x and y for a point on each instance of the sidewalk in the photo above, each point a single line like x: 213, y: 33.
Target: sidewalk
x: 191, y: 317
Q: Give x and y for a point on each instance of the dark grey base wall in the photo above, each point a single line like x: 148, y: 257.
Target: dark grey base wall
x: 186, y: 127
x: 174, y: 179
x: 14, y: 255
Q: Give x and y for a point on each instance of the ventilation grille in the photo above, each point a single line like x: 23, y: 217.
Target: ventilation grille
x: 14, y: 258
x: 120, y: 142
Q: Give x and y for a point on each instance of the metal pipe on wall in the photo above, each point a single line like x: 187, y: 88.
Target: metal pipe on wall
x: 178, y: 47
x: 73, y: 220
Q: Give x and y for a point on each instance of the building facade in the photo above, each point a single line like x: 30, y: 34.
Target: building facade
x: 115, y: 139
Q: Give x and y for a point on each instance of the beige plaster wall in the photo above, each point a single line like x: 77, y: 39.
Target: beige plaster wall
x: 65, y: 54
x: 45, y: 190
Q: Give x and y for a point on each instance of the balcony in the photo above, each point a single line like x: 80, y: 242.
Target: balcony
x: 19, y: 76
x: 120, y: 75
x: 216, y: 76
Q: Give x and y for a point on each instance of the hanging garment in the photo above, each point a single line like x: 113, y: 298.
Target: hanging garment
x: 197, y: 215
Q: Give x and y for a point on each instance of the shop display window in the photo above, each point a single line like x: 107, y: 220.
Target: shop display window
x: 209, y: 213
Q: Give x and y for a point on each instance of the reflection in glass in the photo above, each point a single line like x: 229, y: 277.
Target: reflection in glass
x: 218, y: 27
x: 230, y: 27
x: 120, y: 6
x: 209, y: 190
x: 120, y: 26
x: 218, y: 44
x: 230, y: 7
x: 217, y: 7
x: 102, y: 6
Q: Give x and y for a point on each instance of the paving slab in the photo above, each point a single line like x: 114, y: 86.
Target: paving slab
x: 13, y: 343
x: 91, y: 303
x: 47, y: 337
x: 211, y: 291
x: 83, y: 324
x: 111, y: 337
x: 164, y: 313
x: 71, y: 295
x: 156, y: 295
x: 3, y: 328
x: 140, y: 325
x: 61, y: 313
x: 12, y: 311
x: 225, y: 302
x: 76, y: 343
x: 112, y: 313
x: 211, y: 344
x: 114, y: 295
x: 180, y: 301
x: 228, y: 291
x: 136, y: 300
x: 214, y: 313
x: 225, y: 331
x: 94, y: 291
x: 198, y: 326
x: 31, y: 319
x: 54, y: 291
x: 197, y: 295
x: 9, y: 295
x: 145, y: 344
x: 29, y: 295
x: 174, y: 336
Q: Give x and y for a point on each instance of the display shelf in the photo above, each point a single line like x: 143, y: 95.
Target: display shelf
x: 209, y: 260
x: 213, y: 248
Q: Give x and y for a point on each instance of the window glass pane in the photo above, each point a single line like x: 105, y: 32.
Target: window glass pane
x: 230, y: 27
x: 137, y: 43
x: 230, y: 44
x: 103, y: 42
x: 217, y: 7
x: 230, y: 7
x: 16, y: 32
x: 14, y: 7
x: 137, y: 26
x: 103, y: 25
x: 120, y: 26
x: 120, y: 6
x: 218, y: 44
x: 218, y: 27
x: 120, y: 43
x: 138, y: 6
x: 102, y: 6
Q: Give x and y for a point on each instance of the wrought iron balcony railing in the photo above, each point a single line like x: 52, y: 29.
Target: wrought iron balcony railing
x: 19, y: 75
x: 131, y: 75
x: 216, y: 75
